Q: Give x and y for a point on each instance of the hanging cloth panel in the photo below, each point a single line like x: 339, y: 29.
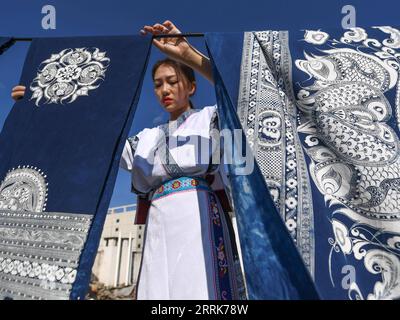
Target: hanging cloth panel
x: 320, y: 110
x: 273, y: 266
x: 61, y: 147
x: 346, y: 86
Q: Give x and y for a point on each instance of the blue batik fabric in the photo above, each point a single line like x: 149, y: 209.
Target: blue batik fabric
x: 60, y: 149
x: 272, y: 264
x: 320, y: 109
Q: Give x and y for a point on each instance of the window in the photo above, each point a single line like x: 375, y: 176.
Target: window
x: 116, y: 229
x: 117, y: 220
x: 140, y: 236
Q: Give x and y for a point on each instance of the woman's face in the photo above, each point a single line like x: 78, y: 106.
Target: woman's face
x: 172, y: 91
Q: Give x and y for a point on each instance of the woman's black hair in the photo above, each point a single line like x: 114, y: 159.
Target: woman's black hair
x: 180, y: 69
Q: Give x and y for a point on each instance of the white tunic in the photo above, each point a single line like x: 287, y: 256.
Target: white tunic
x: 187, y: 252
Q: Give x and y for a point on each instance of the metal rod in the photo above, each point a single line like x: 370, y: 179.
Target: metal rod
x: 178, y: 35
x: 22, y: 39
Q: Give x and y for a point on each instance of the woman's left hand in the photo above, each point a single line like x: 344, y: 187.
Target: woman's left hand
x: 177, y: 48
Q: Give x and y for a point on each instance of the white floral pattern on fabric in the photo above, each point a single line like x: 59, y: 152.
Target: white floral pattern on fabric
x: 69, y: 74
x: 39, y: 251
x: 43, y: 271
x: 25, y: 189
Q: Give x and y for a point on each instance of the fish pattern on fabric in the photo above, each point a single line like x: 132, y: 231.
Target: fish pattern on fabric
x: 321, y: 112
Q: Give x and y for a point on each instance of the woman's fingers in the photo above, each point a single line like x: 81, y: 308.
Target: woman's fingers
x: 169, y: 45
x: 16, y: 95
x: 170, y: 26
x: 18, y: 92
x: 161, y: 28
x: 157, y: 28
x: 146, y: 30
x: 19, y: 88
x: 159, y: 44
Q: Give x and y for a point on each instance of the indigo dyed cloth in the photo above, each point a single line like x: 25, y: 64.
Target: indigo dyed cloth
x: 60, y: 150
x: 320, y: 110
x: 272, y: 264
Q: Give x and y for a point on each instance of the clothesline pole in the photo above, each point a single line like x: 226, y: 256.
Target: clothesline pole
x: 178, y: 35
x: 22, y: 39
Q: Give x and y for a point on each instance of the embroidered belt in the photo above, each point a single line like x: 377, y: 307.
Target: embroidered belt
x: 180, y: 184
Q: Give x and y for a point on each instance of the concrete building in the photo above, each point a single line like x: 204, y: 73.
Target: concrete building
x: 120, y: 251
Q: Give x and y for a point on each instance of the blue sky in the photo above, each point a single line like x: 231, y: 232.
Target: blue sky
x: 22, y: 18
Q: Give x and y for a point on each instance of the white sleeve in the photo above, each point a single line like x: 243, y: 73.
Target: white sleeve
x: 127, y: 157
x: 128, y: 153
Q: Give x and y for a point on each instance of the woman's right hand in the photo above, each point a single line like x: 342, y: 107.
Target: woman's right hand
x: 18, y: 92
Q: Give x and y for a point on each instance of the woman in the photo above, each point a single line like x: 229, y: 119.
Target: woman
x: 189, y: 248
